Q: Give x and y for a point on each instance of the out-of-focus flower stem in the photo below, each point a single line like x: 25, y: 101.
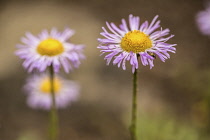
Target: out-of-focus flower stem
x: 53, y: 130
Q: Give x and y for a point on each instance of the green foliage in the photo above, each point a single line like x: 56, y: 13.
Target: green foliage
x: 161, y: 128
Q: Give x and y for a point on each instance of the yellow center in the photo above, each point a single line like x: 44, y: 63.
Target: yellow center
x: 135, y: 41
x: 46, y: 85
x: 50, y: 47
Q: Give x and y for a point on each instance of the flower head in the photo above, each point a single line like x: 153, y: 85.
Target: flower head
x: 51, y: 48
x: 203, y: 20
x: 127, y: 43
x: 39, y: 95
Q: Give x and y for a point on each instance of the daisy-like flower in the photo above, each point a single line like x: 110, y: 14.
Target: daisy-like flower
x: 51, y: 48
x: 39, y: 95
x: 203, y: 20
x: 126, y: 43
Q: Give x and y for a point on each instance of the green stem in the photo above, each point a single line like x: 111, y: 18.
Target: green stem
x: 53, y: 112
x: 134, y: 108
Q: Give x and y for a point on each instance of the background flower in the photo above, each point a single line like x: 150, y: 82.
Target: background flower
x: 50, y: 48
x: 203, y: 19
x: 38, y: 92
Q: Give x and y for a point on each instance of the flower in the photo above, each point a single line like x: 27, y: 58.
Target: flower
x: 38, y: 92
x: 203, y: 20
x: 127, y: 43
x: 51, y: 48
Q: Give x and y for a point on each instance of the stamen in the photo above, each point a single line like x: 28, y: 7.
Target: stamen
x: 50, y: 47
x: 136, y: 41
x: 46, y: 85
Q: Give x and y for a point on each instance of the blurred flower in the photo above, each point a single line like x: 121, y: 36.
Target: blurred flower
x: 203, y: 20
x: 38, y: 91
x: 50, y: 48
x: 127, y: 43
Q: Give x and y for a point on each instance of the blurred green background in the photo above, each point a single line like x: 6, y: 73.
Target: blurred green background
x: 173, y: 98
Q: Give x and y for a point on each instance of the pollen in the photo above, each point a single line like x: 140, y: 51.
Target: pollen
x: 50, y: 47
x: 45, y: 86
x: 136, y: 41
